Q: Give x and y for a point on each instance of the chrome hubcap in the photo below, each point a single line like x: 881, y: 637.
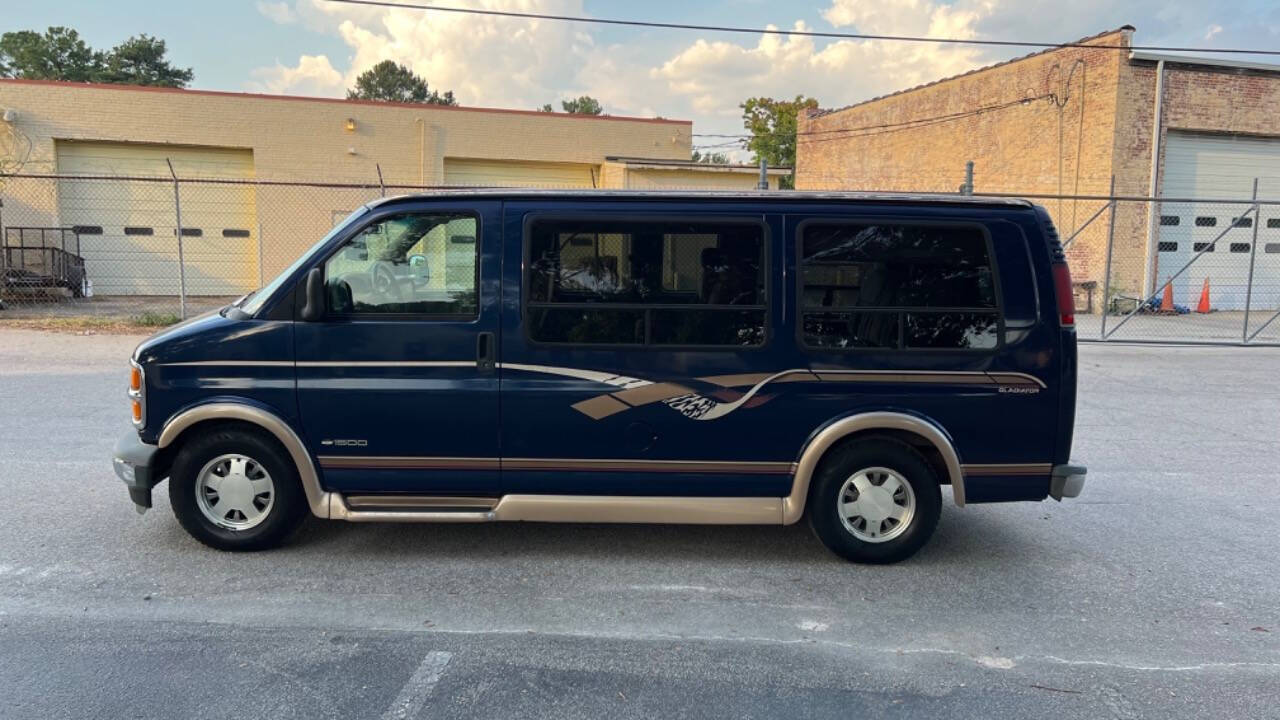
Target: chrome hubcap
x: 876, y: 504
x: 235, y: 492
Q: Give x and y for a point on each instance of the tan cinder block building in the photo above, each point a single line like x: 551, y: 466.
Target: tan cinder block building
x: 1064, y: 122
x: 236, y: 234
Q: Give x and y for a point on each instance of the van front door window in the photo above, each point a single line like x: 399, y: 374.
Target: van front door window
x: 415, y: 263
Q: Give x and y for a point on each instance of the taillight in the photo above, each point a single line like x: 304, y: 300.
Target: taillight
x: 1062, y: 292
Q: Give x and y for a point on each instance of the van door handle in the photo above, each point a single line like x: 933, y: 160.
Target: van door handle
x: 486, y: 352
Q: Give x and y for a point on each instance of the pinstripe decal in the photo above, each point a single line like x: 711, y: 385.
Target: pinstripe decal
x: 231, y: 363
x: 372, y: 462
x: 1007, y: 468
x: 667, y: 466
x: 381, y: 462
x: 634, y: 392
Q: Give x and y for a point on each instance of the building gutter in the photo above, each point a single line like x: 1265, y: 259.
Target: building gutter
x: 1153, y: 209
x: 1140, y: 56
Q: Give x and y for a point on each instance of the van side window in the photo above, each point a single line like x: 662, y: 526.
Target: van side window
x: 896, y: 286
x: 638, y: 282
x: 416, y: 263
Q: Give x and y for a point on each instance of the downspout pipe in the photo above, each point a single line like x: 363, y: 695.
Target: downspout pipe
x: 1153, y: 213
x: 422, y: 151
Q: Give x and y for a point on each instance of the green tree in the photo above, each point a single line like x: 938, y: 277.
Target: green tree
x: 772, y: 124
x: 391, y: 82
x: 58, y: 54
x: 140, y: 61
x: 582, y: 105
x: 710, y: 158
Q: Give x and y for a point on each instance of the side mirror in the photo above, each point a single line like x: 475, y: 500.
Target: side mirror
x: 314, y: 288
x: 417, y: 260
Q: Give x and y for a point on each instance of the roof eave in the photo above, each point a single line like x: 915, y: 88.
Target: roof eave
x: 1143, y: 56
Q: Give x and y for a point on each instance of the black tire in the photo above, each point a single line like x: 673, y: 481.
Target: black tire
x: 827, y: 487
x: 287, y: 509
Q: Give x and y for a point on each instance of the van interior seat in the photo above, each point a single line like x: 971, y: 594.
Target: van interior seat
x: 713, y: 282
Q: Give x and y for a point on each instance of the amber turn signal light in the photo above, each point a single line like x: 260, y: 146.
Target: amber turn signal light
x: 137, y: 411
x: 135, y: 379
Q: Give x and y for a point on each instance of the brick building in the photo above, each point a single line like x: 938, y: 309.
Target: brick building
x: 1063, y: 122
x: 238, y: 235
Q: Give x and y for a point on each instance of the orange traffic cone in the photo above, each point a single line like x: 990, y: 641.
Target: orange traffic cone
x: 1166, y: 302
x: 1203, y: 307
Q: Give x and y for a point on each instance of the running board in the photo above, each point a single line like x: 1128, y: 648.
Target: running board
x: 562, y: 509
x: 419, y: 502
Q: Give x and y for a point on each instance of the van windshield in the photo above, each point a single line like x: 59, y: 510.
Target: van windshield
x: 254, y: 301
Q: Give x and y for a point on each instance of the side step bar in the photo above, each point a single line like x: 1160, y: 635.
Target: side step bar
x: 559, y: 508
x: 412, y: 508
x: 419, y: 502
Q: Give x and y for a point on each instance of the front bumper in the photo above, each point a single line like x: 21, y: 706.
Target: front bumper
x: 1067, y: 481
x: 134, y: 463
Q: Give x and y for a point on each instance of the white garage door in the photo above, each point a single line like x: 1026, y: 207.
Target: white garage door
x: 500, y: 173
x: 1220, y: 167
x: 128, y: 229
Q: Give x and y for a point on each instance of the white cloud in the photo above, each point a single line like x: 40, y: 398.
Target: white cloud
x: 277, y: 12
x: 484, y: 60
x: 313, y: 75
x: 1214, y: 29
x: 523, y: 63
x: 520, y: 63
x: 908, y: 17
x: 715, y: 76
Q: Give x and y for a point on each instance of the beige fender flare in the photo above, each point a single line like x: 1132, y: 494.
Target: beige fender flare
x: 793, y: 504
x: 317, y: 498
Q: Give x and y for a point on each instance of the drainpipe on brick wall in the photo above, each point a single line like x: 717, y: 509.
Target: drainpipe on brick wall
x: 422, y: 151
x: 1153, y: 214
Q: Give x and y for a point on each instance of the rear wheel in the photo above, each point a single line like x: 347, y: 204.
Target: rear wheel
x: 874, y: 501
x: 234, y: 489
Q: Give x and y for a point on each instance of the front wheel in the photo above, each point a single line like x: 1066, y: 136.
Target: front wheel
x: 233, y: 489
x: 874, y: 501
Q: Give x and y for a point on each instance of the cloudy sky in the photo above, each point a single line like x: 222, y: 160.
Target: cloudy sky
x: 315, y: 47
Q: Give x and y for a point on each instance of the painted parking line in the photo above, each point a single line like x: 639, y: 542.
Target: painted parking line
x: 415, y: 692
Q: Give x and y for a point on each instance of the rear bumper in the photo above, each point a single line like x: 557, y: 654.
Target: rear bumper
x: 134, y: 463
x: 1067, y: 481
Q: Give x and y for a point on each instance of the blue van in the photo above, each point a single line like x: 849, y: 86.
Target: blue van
x: 655, y: 357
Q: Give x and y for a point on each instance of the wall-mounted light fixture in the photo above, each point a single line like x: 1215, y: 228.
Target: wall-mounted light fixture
x: 350, y: 125
x: 10, y: 115
x: 351, y: 150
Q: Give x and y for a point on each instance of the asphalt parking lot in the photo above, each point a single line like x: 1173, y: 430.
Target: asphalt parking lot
x: 1154, y: 594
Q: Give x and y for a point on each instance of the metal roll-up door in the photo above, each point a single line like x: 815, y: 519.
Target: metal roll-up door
x: 1220, y: 167
x: 467, y: 172
x: 128, y: 229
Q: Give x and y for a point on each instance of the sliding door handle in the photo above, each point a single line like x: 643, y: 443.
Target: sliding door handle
x: 486, y: 352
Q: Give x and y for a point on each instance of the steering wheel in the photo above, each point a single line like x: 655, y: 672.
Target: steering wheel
x: 385, y: 285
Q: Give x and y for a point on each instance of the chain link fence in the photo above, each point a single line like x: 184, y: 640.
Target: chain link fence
x: 1173, y: 270
x: 152, y: 247
x: 162, y: 248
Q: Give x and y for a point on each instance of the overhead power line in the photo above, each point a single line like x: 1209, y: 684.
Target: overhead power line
x: 801, y: 33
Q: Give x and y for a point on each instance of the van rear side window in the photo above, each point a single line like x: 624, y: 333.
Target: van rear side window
x: 646, y: 282
x: 896, y: 286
